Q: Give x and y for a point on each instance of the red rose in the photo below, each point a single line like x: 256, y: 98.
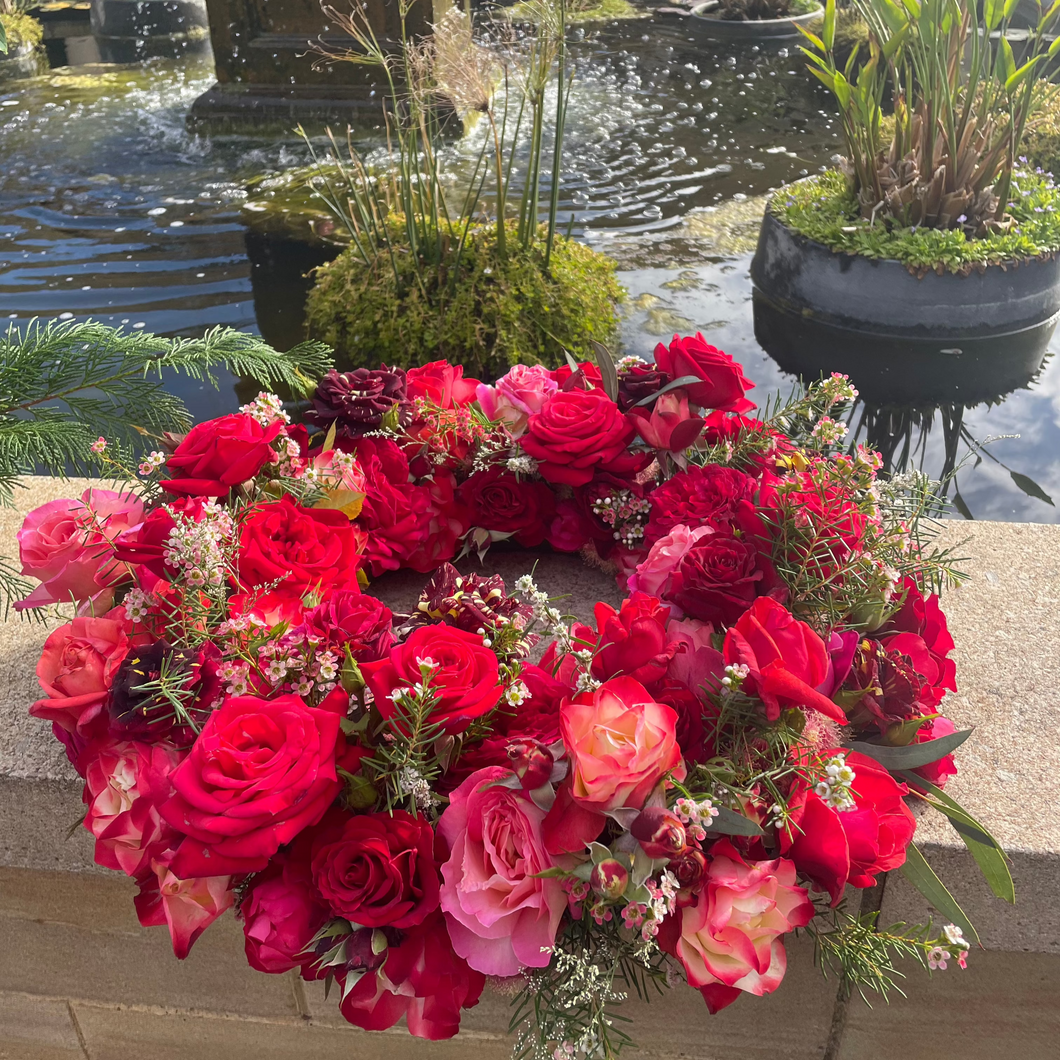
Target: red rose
x: 281, y: 913
x: 787, y: 661
x: 717, y: 579
x: 700, y: 496
x: 422, y: 979
x: 219, y: 454
x: 569, y: 530
x: 395, y: 512
x: 939, y: 771
x: 668, y: 423
x: 923, y: 616
x: 587, y: 373
x: 444, y: 524
x: 145, y: 543
x: 633, y: 640
x: 466, y: 679
x: 501, y: 502
x: 722, y: 384
x: 852, y: 846
x: 347, y: 617
x: 76, y: 669
x: 260, y: 772
x: 579, y: 432
x: 298, y: 550
x: 441, y: 383
x: 376, y: 869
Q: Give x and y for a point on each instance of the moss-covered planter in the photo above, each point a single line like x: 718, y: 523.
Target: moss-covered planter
x: 23, y: 58
x: 500, y: 312
x: 899, y: 335
x: 705, y: 21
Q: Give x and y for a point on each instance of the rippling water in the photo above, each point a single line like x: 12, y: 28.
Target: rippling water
x: 110, y: 208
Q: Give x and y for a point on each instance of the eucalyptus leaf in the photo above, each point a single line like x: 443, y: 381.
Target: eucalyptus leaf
x: 608, y: 371
x: 729, y: 822
x: 916, y: 754
x: 682, y: 381
x: 922, y: 876
x: 1028, y: 485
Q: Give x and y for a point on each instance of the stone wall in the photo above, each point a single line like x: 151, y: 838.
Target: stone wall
x: 80, y: 978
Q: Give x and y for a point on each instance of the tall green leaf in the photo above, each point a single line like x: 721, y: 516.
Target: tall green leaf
x: 916, y: 754
x: 922, y: 876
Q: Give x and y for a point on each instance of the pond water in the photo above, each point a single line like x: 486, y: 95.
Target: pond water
x: 110, y: 208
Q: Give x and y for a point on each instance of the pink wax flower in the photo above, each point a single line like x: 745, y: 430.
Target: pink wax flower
x: 500, y: 916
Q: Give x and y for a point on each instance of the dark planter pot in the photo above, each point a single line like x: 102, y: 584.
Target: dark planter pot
x: 705, y: 23
x: 901, y: 339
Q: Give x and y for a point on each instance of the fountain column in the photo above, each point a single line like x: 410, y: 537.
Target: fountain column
x: 131, y: 30
x: 266, y: 72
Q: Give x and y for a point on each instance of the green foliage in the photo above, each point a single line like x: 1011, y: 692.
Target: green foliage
x: 19, y: 29
x: 579, y: 11
x: 1041, y: 144
x: 824, y: 208
x: 492, y: 312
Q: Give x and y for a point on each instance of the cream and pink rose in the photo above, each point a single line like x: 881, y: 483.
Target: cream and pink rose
x: 729, y: 938
x: 654, y: 574
x: 78, y: 667
x: 124, y: 785
x: 67, y: 545
x: 621, y: 743
x: 517, y: 396
x: 501, y: 916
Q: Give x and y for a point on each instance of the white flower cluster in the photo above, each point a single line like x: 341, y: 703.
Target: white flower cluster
x: 838, y: 389
x: 197, y: 549
x: 735, y: 677
x: 266, y: 408
x: 522, y: 465
x: 834, y: 786
x: 697, y: 816
x: 152, y: 462
x: 410, y: 781
x: 137, y: 605
x: 552, y: 619
x: 516, y: 694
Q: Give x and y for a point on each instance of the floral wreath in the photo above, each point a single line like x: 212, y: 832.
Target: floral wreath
x: 404, y: 805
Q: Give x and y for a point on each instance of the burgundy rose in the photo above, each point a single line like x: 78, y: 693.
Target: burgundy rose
x: 501, y: 502
x: 721, y: 380
x: 639, y: 382
x: 357, y: 401
x: 219, y: 454
x: 377, y: 869
x: 350, y: 618
x: 577, y: 433
x: 700, y: 496
x: 717, y: 579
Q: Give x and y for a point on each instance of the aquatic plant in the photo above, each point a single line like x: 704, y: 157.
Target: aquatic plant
x: 961, y: 108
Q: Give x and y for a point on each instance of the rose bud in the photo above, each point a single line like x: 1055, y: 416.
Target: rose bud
x: 659, y: 832
x: 531, y: 762
x: 609, y: 879
x: 689, y: 867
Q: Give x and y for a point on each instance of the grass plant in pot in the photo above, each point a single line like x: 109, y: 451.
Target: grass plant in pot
x: 751, y: 20
x: 462, y: 270
x: 928, y: 260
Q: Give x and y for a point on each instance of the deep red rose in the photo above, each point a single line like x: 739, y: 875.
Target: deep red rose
x: 466, y: 680
x: 691, y: 712
x: 639, y: 382
x: 632, y: 641
x: 281, y: 913
x: 717, y: 579
x: 260, y: 772
x: 348, y: 617
x: 835, y: 848
x: 579, y: 432
x: 145, y: 543
x: 219, y: 454
x: 786, y: 659
x: 501, y: 502
x: 422, y: 979
x: 395, y: 512
x: 299, y: 550
x: 376, y: 869
x: 700, y: 496
x: 569, y: 529
x: 441, y: 383
x: 357, y: 401
x: 722, y: 383
x: 446, y: 521
x: 892, y: 689
x: 923, y: 616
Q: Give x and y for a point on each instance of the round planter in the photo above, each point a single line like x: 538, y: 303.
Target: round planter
x: 750, y: 30
x: 23, y: 61
x: 902, y: 339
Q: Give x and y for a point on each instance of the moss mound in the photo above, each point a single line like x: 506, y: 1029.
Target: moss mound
x: 500, y: 313
x: 1041, y: 142
x: 581, y: 11
x: 823, y: 208
x: 21, y: 29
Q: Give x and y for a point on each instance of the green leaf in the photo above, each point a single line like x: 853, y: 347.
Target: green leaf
x: 922, y: 876
x: 891, y: 46
x: 823, y: 76
x: 3, y: 40
x: 828, y: 33
x: 1029, y: 486
x: 842, y: 90
x: 916, y: 754
x: 729, y: 822
x: 682, y: 381
x: 959, y: 504
x: 903, y: 733
x: 993, y: 13
x: 811, y: 37
x: 606, y: 363
x: 1021, y: 75
x: 1006, y: 61
x: 987, y: 851
x: 1010, y: 7
x: 1055, y: 46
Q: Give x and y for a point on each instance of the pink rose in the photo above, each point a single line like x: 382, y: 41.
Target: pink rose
x: 621, y: 744
x: 66, y: 544
x: 500, y: 916
x: 187, y: 907
x: 77, y: 668
x: 728, y: 939
x: 124, y: 785
x: 517, y: 396
x: 669, y: 424
x: 655, y: 573
x: 696, y: 662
